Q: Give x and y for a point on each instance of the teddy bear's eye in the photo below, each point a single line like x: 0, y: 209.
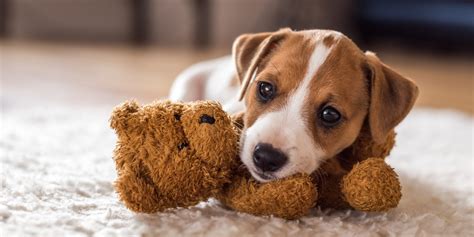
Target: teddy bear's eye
x: 177, y: 116
x: 182, y: 145
x: 207, y: 119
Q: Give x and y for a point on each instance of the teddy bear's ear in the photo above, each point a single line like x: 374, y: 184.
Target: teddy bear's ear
x: 123, y: 115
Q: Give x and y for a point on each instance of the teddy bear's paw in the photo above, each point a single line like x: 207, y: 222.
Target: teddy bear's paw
x: 139, y: 194
x: 371, y: 185
x: 188, y: 181
x: 288, y: 198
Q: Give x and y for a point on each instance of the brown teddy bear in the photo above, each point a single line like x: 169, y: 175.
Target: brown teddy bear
x: 177, y: 154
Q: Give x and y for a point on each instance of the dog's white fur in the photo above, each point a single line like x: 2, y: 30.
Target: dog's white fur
x: 209, y: 80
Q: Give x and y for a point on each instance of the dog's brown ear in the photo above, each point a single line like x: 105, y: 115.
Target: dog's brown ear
x: 391, y: 98
x: 249, y: 49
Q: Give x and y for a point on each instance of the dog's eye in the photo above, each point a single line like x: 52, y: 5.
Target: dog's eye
x: 207, y: 119
x: 265, y: 90
x: 330, y: 116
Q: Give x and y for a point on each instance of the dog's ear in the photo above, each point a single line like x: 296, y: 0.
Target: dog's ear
x: 391, y: 97
x: 249, y: 49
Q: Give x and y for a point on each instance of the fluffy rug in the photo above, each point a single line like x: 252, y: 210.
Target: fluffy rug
x: 57, y: 175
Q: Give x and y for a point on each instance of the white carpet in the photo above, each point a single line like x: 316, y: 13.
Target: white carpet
x: 57, y: 173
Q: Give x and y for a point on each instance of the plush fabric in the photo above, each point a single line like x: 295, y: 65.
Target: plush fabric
x: 166, y: 157
x: 57, y: 173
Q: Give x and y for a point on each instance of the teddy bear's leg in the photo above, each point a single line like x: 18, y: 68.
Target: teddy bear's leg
x: 371, y: 185
x: 138, y: 192
x: 288, y: 198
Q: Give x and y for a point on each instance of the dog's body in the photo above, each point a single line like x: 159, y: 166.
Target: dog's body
x: 210, y: 80
x: 306, y: 96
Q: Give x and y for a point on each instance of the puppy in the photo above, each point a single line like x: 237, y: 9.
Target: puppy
x: 305, y: 94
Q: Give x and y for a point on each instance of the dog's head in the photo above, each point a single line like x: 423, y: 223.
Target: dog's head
x: 307, y: 95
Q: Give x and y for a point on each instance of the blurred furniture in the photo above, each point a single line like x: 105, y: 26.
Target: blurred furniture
x: 169, y: 22
x: 3, y: 18
x: 140, y: 32
x: 445, y: 24
x: 77, y: 20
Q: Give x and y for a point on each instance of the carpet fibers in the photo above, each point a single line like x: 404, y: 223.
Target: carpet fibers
x: 57, y: 175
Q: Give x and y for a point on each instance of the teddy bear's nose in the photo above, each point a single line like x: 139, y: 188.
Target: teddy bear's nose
x: 268, y: 158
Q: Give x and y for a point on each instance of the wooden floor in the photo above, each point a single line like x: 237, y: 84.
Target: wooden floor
x: 108, y: 74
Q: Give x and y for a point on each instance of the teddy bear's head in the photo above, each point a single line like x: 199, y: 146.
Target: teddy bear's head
x: 186, y: 151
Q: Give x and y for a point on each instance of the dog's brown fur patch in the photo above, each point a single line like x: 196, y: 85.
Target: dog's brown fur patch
x: 340, y: 83
x: 285, y: 69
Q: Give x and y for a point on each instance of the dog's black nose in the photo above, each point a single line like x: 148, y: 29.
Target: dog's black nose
x: 267, y: 158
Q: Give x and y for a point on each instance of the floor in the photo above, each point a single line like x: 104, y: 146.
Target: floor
x: 38, y: 72
x: 59, y: 182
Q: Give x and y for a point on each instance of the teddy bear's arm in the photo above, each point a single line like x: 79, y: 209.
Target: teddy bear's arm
x: 288, y: 198
x: 371, y: 185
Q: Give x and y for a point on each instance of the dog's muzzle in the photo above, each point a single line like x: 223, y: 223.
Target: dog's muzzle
x: 267, y: 158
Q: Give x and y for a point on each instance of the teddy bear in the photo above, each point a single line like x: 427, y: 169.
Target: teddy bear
x: 171, y: 155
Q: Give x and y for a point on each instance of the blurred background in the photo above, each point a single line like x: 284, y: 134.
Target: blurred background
x: 89, y: 52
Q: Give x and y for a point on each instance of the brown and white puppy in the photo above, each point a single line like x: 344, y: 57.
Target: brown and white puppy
x: 306, y: 97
